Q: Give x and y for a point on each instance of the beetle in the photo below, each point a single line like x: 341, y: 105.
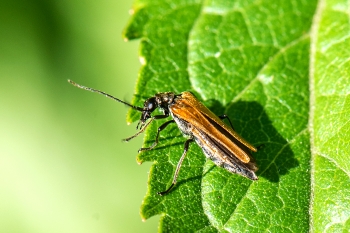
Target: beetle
x: 220, y: 143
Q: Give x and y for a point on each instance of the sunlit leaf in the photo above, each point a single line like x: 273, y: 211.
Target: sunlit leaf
x: 251, y: 61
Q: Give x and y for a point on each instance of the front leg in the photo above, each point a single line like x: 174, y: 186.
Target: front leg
x: 143, y: 127
x: 142, y: 123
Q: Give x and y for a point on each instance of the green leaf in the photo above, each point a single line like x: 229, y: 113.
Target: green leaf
x: 251, y: 61
x: 330, y: 126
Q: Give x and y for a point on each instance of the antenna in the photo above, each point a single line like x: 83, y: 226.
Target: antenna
x: 105, y: 94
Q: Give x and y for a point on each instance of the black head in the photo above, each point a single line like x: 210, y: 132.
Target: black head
x: 161, y: 100
x: 148, y: 107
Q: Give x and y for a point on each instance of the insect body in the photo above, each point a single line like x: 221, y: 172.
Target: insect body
x: 219, y: 142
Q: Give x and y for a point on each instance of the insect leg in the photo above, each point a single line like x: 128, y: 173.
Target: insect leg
x: 186, y: 146
x: 226, y: 117
x: 157, y: 117
x: 163, y: 126
x: 140, y: 131
x: 143, y: 127
x: 141, y: 124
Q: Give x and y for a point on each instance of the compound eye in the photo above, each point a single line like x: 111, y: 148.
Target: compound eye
x: 150, y: 106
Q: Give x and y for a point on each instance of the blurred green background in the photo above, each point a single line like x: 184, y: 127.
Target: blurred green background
x: 63, y: 167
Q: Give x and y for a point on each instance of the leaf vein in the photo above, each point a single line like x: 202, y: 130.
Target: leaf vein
x: 332, y: 161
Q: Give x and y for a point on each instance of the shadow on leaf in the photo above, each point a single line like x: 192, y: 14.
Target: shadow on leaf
x: 274, y: 157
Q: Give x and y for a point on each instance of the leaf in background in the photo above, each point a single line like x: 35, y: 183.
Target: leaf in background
x: 330, y: 127
x: 250, y: 60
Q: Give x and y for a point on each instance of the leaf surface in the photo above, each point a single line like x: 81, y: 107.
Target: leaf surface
x: 330, y: 126
x: 251, y: 61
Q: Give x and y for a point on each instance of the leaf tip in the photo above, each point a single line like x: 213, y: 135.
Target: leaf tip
x: 138, y: 160
x: 131, y: 11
